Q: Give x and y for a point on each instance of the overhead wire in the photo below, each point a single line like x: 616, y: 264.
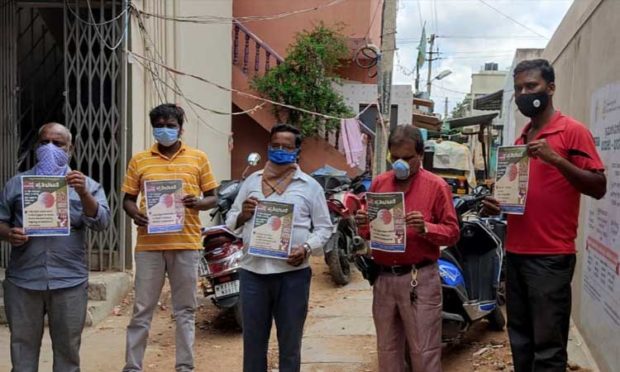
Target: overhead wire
x: 211, y: 19
x: 513, y: 20
x: 176, y: 89
x: 241, y: 93
x: 96, y: 25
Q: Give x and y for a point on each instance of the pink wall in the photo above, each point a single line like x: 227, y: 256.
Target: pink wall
x: 355, y: 15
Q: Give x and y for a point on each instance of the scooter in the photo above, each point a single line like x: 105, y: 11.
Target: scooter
x: 219, y: 265
x: 470, y: 272
x: 344, y: 198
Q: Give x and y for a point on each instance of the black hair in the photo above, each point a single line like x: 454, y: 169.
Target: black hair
x: 542, y: 65
x: 167, y: 111
x: 407, y: 132
x: 287, y: 128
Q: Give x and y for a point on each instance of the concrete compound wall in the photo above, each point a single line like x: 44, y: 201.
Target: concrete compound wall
x: 585, y: 51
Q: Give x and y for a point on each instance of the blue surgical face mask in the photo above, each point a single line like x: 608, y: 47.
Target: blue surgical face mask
x: 401, y: 168
x: 281, y: 156
x: 166, y: 136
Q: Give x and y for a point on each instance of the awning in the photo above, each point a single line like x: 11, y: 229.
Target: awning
x: 472, y: 120
x: 492, y: 101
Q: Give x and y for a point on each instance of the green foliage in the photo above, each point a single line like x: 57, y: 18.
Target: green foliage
x: 462, y: 108
x: 305, y: 79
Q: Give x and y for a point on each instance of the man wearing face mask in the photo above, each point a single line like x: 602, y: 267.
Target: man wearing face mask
x: 173, y: 254
x: 403, y: 312
x: 273, y: 289
x: 540, y: 243
x: 49, y: 275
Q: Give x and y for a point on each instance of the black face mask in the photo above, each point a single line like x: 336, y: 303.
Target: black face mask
x: 532, y: 104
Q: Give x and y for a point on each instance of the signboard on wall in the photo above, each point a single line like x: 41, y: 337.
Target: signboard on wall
x: 600, y: 308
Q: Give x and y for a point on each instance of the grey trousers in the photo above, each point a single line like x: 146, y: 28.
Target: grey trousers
x: 66, y: 313
x: 151, y: 268
x: 398, y: 319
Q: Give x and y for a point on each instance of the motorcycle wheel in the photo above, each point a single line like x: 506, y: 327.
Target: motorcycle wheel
x: 238, y: 315
x: 336, y: 259
x: 496, y: 319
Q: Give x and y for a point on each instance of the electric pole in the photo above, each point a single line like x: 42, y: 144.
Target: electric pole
x: 385, y: 67
x: 430, y: 65
x: 445, y: 116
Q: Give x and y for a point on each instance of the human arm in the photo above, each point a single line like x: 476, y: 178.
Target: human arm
x: 582, y: 167
x: 130, y: 206
x: 208, y: 201
x: 100, y: 219
x: 445, y: 231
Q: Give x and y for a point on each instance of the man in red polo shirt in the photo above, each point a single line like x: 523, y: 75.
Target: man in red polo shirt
x: 403, y: 311
x: 541, y: 257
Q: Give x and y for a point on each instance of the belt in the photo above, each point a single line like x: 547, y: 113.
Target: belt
x: 404, y: 269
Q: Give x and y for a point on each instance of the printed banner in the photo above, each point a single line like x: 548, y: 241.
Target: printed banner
x: 388, y: 228
x: 273, y: 230
x: 45, y: 205
x: 164, y: 206
x: 511, y: 178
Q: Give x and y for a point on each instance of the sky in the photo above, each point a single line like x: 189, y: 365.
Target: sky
x: 473, y: 34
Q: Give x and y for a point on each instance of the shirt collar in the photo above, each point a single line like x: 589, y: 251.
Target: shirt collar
x: 155, y: 151
x: 555, y: 125
x: 299, y: 174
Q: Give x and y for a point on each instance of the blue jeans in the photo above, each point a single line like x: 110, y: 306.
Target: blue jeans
x: 281, y: 297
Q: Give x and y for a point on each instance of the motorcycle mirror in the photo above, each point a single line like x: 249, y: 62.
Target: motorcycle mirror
x: 253, y: 159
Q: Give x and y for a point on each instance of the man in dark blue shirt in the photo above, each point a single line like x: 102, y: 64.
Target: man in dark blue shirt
x: 48, y: 275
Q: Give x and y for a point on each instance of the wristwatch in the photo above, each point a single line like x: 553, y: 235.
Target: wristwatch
x: 308, y: 249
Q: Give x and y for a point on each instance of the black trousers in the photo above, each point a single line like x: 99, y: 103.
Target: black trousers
x: 265, y: 298
x: 538, y: 302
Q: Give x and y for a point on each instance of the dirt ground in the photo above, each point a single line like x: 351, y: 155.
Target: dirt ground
x: 339, y: 337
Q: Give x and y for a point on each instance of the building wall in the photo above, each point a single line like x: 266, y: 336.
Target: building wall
x: 483, y: 83
x: 201, y: 49
x: 356, y: 17
x: 363, y: 94
x: 584, y: 52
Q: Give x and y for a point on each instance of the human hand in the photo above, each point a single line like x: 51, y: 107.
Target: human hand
x: 77, y: 180
x: 540, y: 149
x: 361, y: 218
x: 490, y: 207
x: 297, y: 256
x: 415, y: 220
x: 191, y: 201
x: 17, y: 237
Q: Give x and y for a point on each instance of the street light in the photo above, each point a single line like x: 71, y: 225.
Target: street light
x: 440, y: 76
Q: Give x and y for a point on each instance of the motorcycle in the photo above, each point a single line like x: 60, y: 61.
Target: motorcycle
x: 471, y: 272
x: 344, y: 198
x: 219, y: 264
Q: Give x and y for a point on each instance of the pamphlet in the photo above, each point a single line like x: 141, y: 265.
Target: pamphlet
x: 273, y: 230
x: 164, y: 206
x: 512, y: 174
x: 45, y: 205
x: 388, y: 227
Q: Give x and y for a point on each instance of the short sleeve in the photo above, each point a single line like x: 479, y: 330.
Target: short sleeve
x: 131, y: 183
x: 207, y: 179
x: 6, y: 201
x: 582, y: 149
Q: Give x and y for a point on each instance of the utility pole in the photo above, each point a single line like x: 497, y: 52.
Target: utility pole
x: 445, y: 115
x: 384, y: 83
x: 430, y: 64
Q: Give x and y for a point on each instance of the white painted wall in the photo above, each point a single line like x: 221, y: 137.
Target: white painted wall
x: 364, y: 94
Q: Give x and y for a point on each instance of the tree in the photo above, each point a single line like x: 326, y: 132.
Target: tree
x: 462, y: 108
x: 305, y: 79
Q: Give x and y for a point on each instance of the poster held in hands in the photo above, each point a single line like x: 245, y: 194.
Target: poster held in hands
x: 164, y: 206
x: 388, y: 227
x: 45, y: 205
x: 512, y: 178
x: 272, y: 232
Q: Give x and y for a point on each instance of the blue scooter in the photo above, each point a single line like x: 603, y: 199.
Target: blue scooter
x: 471, y: 272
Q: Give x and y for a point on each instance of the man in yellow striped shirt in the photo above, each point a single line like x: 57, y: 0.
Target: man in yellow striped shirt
x: 175, y: 253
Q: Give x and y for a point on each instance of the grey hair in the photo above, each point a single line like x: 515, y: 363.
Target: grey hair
x: 52, y: 124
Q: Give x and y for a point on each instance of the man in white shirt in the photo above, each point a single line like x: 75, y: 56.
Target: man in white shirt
x: 274, y: 288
